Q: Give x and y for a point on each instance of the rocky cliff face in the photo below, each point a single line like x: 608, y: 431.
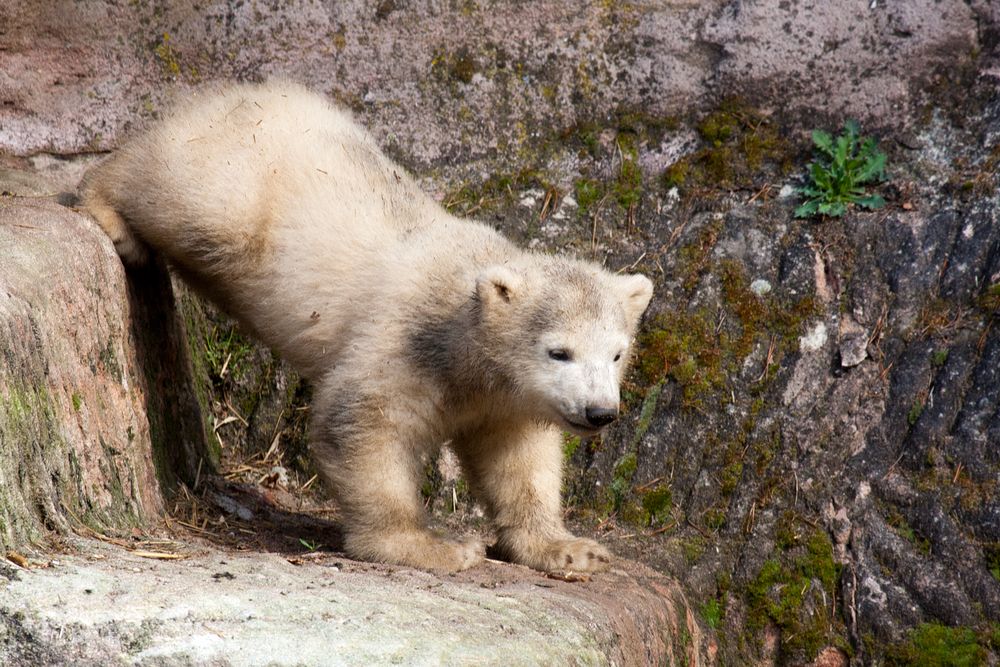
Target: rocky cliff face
x: 447, y: 84
x: 815, y: 412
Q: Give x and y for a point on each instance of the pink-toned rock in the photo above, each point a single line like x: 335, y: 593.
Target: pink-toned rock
x: 831, y: 656
x: 87, y: 436
x: 450, y: 84
x: 866, y: 59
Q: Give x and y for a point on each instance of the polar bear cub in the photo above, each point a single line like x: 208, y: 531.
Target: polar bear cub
x: 415, y: 327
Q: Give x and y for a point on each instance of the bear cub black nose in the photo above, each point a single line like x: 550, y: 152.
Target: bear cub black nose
x: 601, y: 416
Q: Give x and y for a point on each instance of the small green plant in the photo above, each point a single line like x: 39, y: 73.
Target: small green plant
x: 225, y: 350
x: 711, y: 611
x: 840, y: 173
x: 571, y: 443
x: 311, y: 546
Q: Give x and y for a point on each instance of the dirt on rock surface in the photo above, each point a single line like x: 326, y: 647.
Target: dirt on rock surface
x: 811, y: 437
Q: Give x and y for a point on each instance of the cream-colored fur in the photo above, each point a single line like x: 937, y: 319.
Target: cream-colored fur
x: 416, y: 327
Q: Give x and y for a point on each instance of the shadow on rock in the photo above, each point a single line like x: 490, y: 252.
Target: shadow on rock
x: 180, y: 445
x: 254, y: 517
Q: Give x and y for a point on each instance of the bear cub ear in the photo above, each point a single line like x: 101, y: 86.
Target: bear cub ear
x: 636, y: 290
x: 497, y: 284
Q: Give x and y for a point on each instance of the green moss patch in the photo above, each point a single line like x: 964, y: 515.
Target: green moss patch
x: 498, y: 190
x: 989, y: 301
x: 641, y: 506
x: 936, y: 645
x: 700, y: 349
x: 571, y: 443
x: 684, y: 347
x: 588, y: 192
x: 794, y: 590
x: 167, y: 56
x: 904, y: 530
x: 992, y: 557
x: 711, y: 613
x: 738, y: 142
x: 693, y: 257
x: 454, y: 66
x: 621, y: 480
x: 622, y: 138
x: 227, y: 351
x: 657, y: 504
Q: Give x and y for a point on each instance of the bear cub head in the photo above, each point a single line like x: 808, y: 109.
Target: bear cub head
x: 561, y: 330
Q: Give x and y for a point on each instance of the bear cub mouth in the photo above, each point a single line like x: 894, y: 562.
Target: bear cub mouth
x: 584, y: 430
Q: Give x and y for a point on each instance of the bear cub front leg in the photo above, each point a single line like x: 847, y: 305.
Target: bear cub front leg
x: 517, y: 474
x: 375, y: 476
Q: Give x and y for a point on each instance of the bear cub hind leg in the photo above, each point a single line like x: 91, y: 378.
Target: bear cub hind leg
x: 129, y: 248
x: 518, y: 476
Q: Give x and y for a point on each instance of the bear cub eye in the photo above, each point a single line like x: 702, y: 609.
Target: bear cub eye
x: 618, y: 356
x: 559, y: 354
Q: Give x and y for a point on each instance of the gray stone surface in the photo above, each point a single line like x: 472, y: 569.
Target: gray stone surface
x: 104, y: 606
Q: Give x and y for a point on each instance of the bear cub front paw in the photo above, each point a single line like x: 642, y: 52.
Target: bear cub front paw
x: 577, y: 554
x: 568, y: 554
x: 416, y: 548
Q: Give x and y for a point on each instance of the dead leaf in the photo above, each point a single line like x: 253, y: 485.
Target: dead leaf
x: 18, y: 559
x: 160, y: 555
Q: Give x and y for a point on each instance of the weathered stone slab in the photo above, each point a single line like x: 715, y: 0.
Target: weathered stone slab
x: 255, y: 609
